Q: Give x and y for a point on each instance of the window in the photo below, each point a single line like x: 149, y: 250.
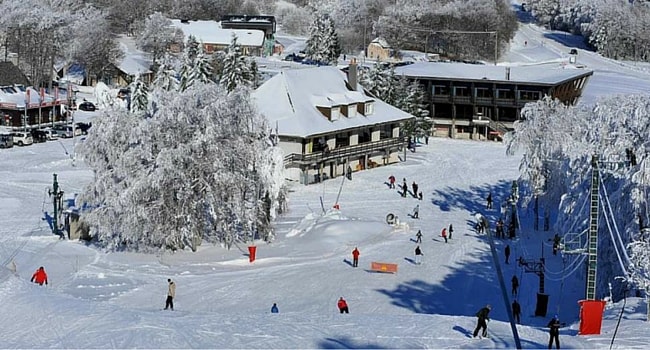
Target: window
x: 369, y: 108
x: 441, y: 90
x: 505, y: 93
x: 336, y: 113
x: 352, y: 111
x: 461, y: 91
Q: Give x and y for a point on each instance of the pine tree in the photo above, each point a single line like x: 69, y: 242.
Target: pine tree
x: 166, y: 76
x: 323, y: 44
x: 189, y: 60
x: 139, y: 97
x: 202, y: 69
x: 235, y: 68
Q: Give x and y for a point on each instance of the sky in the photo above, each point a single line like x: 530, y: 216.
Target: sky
x: 98, y: 299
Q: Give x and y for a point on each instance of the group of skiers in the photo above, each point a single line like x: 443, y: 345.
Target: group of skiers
x: 415, y: 192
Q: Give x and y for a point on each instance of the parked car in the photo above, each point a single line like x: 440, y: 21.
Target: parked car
x: 83, y: 127
x: 39, y: 135
x: 64, y: 131
x: 22, y: 138
x: 86, y: 106
x: 6, y: 140
x: 51, y: 134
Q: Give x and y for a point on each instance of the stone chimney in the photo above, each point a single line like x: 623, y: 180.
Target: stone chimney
x: 507, y: 73
x: 352, y: 74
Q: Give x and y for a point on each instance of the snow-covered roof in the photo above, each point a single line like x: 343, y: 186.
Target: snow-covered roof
x: 210, y: 32
x: 381, y: 42
x: 134, y: 65
x: 518, y: 74
x: 15, y: 96
x: 289, y: 100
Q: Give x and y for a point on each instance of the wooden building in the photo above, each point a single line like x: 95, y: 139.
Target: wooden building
x: 483, y: 101
x: 327, y: 125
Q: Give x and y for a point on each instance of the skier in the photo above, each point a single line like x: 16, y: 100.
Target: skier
x: 405, y: 188
x: 416, y: 212
x: 489, y: 200
x: 171, y: 293
x: 554, y: 332
x: 507, y: 252
x: 515, y: 285
x: 415, y: 188
x: 418, y: 237
x: 451, y: 230
x: 483, y: 318
x: 274, y: 309
x: 418, y: 255
x: 40, y: 276
x: 355, y: 257
x: 500, y: 233
x: 444, y: 233
x: 516, y: 311
x: 391, y: 182
x: 420, y: 195
x: 556, y: 243
x: 343, y: 306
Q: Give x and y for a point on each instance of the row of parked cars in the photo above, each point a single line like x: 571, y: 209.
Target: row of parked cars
x: 26, y: 138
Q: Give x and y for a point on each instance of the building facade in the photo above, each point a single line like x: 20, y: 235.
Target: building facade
x: 482, y: 101
x: 326, y: 124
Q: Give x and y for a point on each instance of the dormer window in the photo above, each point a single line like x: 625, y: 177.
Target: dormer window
x: 336, y: 113
x: 369, y: 108
x: 352, y: 111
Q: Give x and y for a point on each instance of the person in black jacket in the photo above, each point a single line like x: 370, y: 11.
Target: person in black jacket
x: 554, y: 332
x: 516, y: 311
x: 483, y: 317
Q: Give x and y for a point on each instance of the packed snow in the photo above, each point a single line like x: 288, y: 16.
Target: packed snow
x: 96, y: 299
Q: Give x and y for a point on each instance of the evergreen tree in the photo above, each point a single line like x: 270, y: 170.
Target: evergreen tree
x: 166, y: 76
x: 187, y: 76
x: 236, y: 71
x: 323, y: 44
x: 139, y: 97
x: 202, y: 69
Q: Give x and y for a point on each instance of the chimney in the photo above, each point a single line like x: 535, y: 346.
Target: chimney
x: 352, y: 74
x: 507, y: 73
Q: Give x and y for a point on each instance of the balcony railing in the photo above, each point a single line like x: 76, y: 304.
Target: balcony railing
x: 367, y: 148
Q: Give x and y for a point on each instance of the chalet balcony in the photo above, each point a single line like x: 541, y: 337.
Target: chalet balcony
x: 506, y: 102
x: 484, y: 101
x: 368, y: 148
x: 441, y: 98
x: 462, y: 99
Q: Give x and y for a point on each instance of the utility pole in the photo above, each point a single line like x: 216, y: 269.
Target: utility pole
x: 56, y: 201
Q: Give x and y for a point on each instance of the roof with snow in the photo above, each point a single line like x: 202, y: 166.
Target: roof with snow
x: 289, y: 100
x: 381, y: 42
x: 545, y: 75
x: 210, y: 32
x: 134, y: 65
x: 15, y: 96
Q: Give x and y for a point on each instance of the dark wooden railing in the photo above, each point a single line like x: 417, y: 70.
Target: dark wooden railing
x: 367, y: 148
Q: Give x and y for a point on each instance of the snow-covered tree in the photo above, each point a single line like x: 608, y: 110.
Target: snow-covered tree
x: 166, y: 79
x: 188, y: 72
x: 202, y: 69
x: 236, y: 71
x: 139, y: 97
x: 323, y: 44
x: 558, y: 144
x: 201, y: 168
x: 156, y: 36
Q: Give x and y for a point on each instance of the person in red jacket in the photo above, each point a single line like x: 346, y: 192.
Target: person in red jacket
x: 343, y: 306
x: 355, y: 257
x: 40, y: 276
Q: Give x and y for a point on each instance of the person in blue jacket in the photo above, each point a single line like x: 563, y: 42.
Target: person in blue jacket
x: 274, y: 309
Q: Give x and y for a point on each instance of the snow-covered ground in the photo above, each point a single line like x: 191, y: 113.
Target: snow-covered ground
x: 114, y: 300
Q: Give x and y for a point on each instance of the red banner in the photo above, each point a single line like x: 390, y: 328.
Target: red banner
x: 27, y: 99
x: 42, y: 96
